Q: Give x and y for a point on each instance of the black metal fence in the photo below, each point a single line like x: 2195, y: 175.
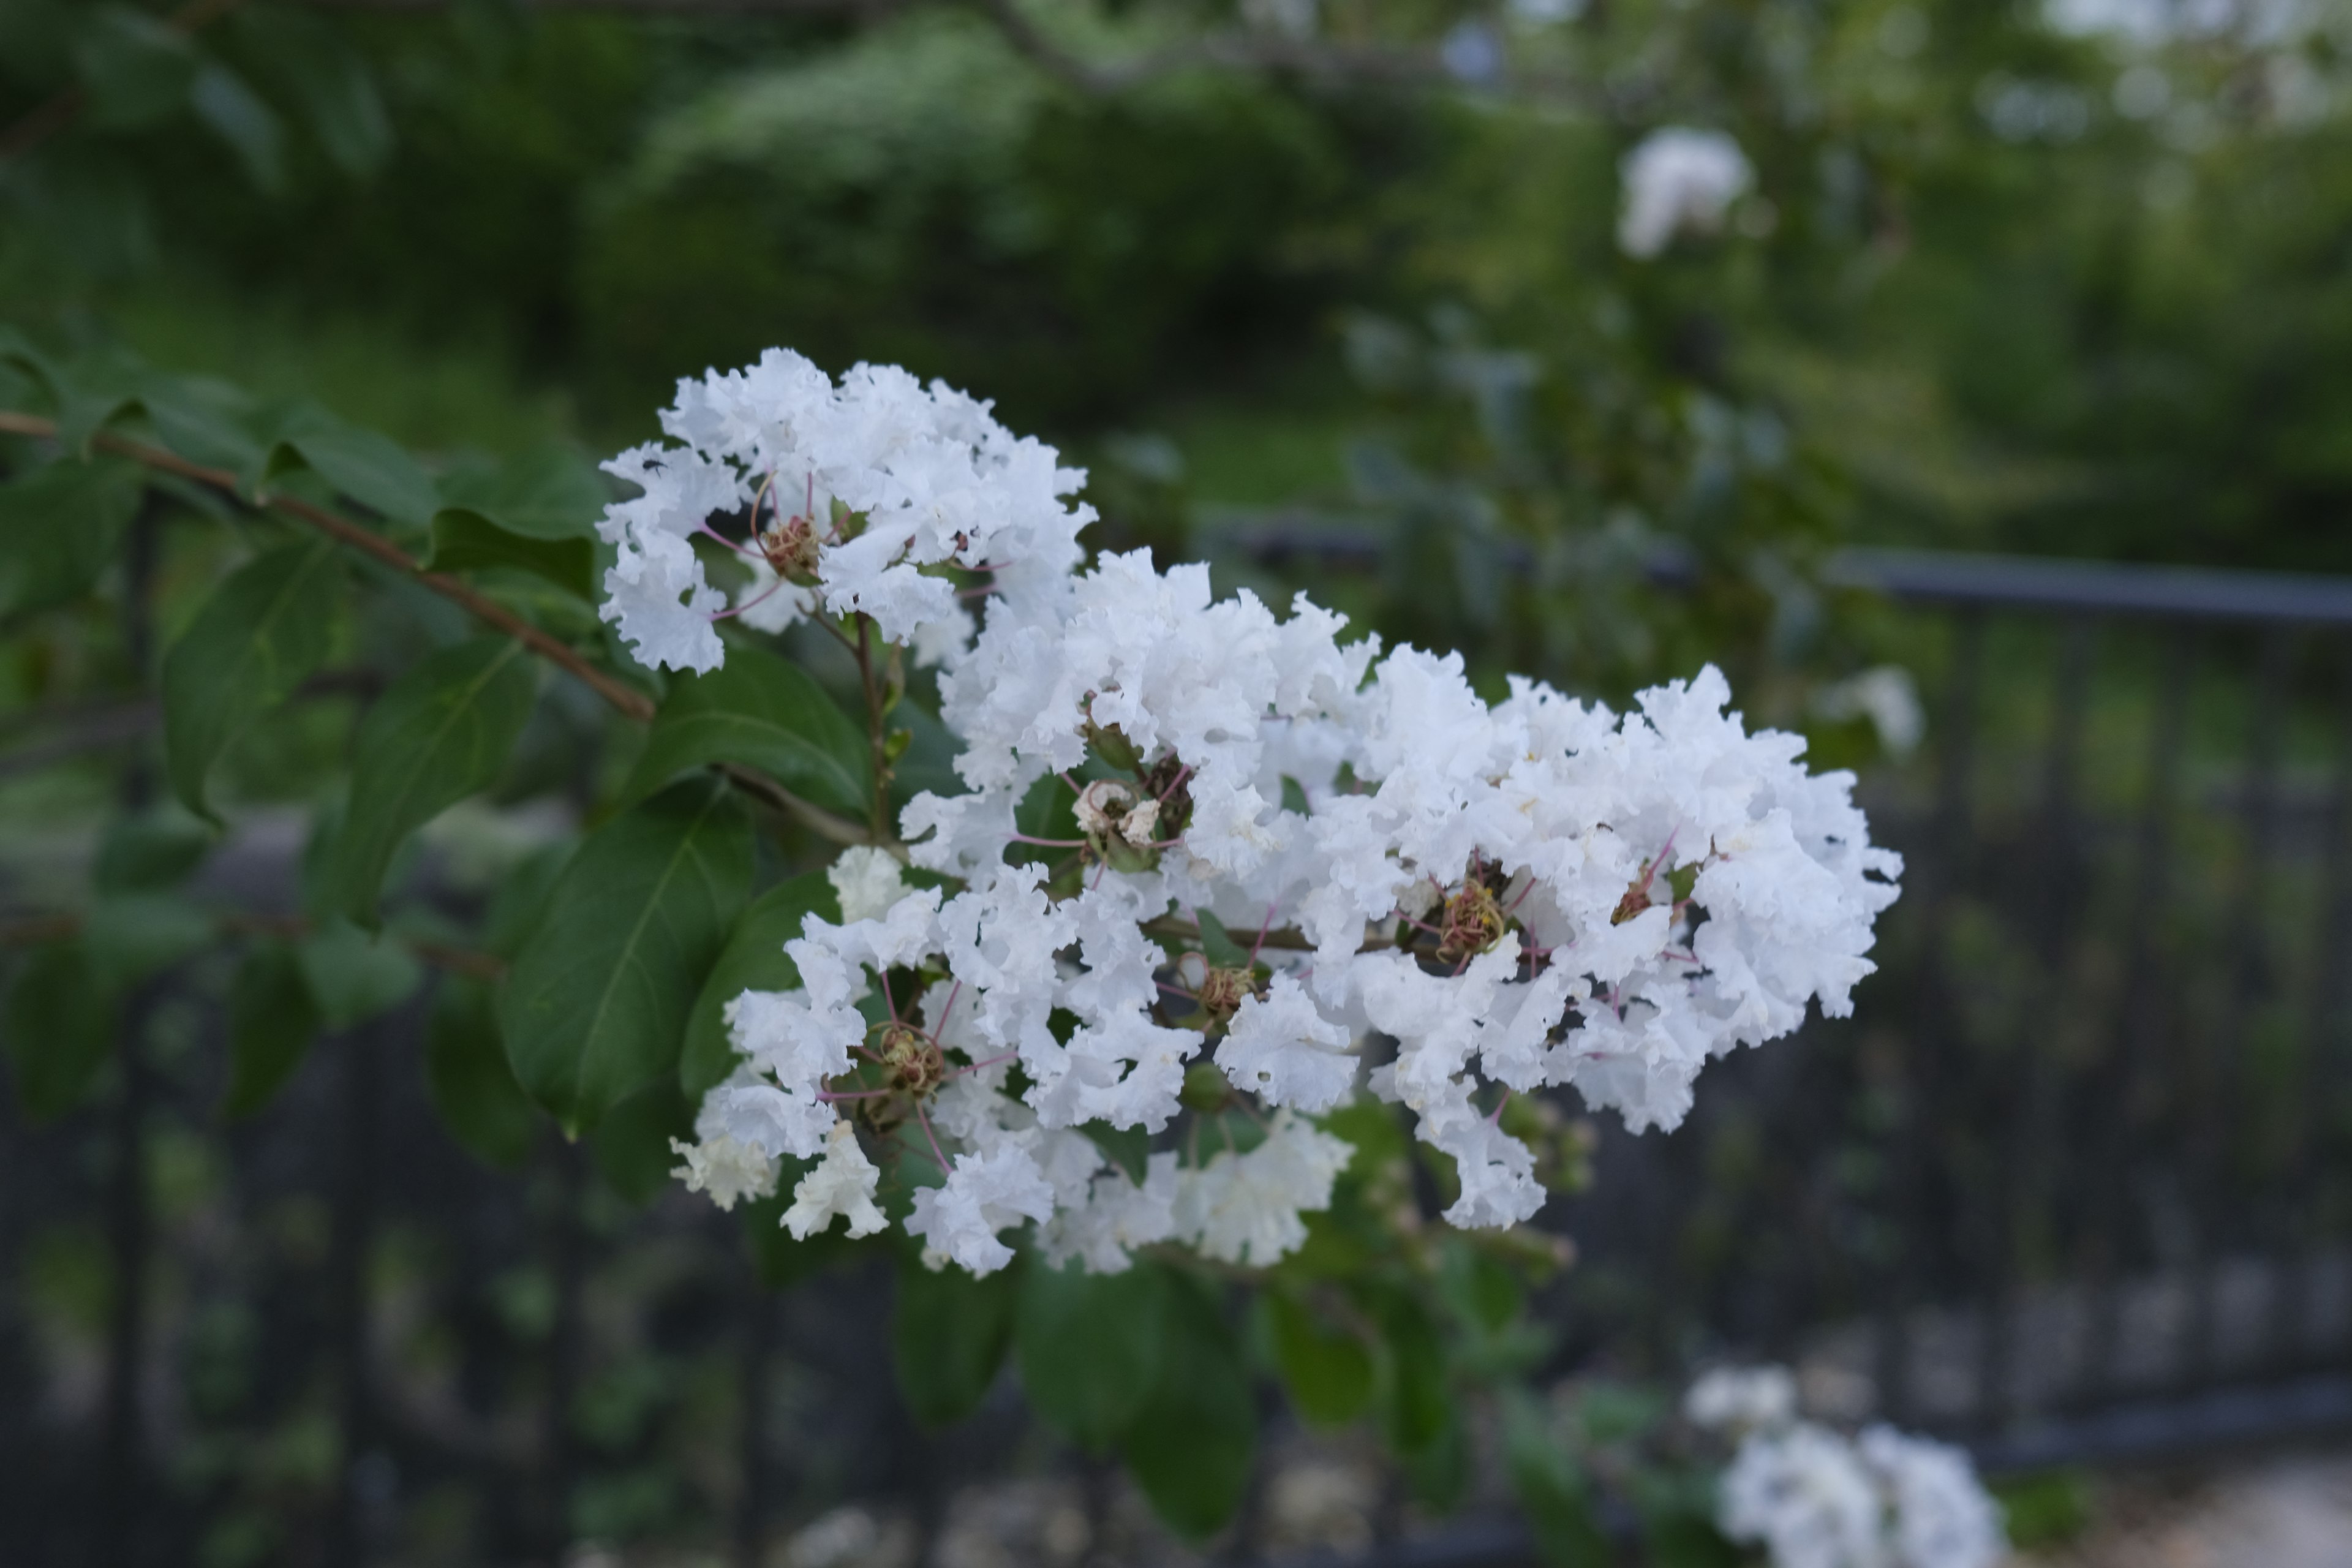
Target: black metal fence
x: 2073, y: 1185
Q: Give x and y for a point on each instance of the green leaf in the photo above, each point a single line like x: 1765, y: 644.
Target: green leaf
x: 1130, y: 1148
x: 552, y: 493
x: 1219, y: 947
x: 59, y: 1025
x: 472, y: 1086
x: 520, y: 900
x: 465, y: 540
x: 1551, y: 1487
x: 753, y: 960
x: 356, y: 975
x: 1676, y: 1506
x: 253, y: 642
x: 928, y: 761
x: 271, y: 1022
x: 237, y: 114
x: 763, y: 711
x: 372, y: 469
x: 1326, y: 1370
x: 136, y: 68
x: 331, y: 82
x: 949, y: 1332
x: 202, y: 419
x: 1090, y: 1347
x: 630, y: 1143
x: 131, y: 936
x: 1191, y: 1441
x: 151, y: 851
x: 60, y: 528
x: 1294, y: 795
x: 1415, y: 1402
x: 596, y: 1005
x: 441, y: 733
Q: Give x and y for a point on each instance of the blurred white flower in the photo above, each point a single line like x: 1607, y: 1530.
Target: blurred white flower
x: 1677, y: 179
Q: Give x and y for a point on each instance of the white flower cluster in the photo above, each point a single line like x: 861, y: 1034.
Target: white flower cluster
x: 1815, y: 1499
x: 1521, y: 895
x: 931, y: 479
x: 1678, y: 179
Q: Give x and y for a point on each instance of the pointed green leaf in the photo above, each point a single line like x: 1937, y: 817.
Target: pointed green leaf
x: 59, y: 1025
x: 596, y: 1005
x: 255, y: 640
x: 441, y: 733
x: 472, y: 1086
x: 204, y: 420
x: 1195, y: 1432
x: 271, y: 1022
x: 1090, y: 1347
x: 468, y: 542
x: 1415, y: 1402
x: 60, y: 528
x: 552, y: 493
x: 949, y: 1332
x: 372, y: 469
x: 763, y: 711
x: 753, y: 960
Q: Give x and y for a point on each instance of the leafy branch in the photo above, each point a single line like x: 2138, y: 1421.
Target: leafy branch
x: 621, y: 697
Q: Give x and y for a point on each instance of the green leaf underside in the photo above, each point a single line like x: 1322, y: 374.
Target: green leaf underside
x: 256, y: 639
x: 763, y: 711
x: 58, y: 529
x: 949, y: 1332
x: 465, y: 540
x: 59, y: 1027
x: 472, y: 1086
x: 596, y: 1005
x: 442, y: 732
x: 1191, y: 1441
x: 753, y: 960
x: 271, y: 1022
x: 1090, y: 1347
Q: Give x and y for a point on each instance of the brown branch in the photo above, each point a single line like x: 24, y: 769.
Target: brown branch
x: 59, y: 110
x: 623, y: 698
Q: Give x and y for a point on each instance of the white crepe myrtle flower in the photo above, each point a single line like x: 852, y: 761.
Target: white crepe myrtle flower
x: 842, y: 1184
x: 728, y: 1170
x: 1806, y: 1496
x: 867, y: 880
x: 1525, y: 895
x: 1244, y: 1208
x: 984, y: 1193
x: 1737, y: 1399
x: 1815, y: 1499
x: 1943, y: 1518
x: 1678, y: 179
